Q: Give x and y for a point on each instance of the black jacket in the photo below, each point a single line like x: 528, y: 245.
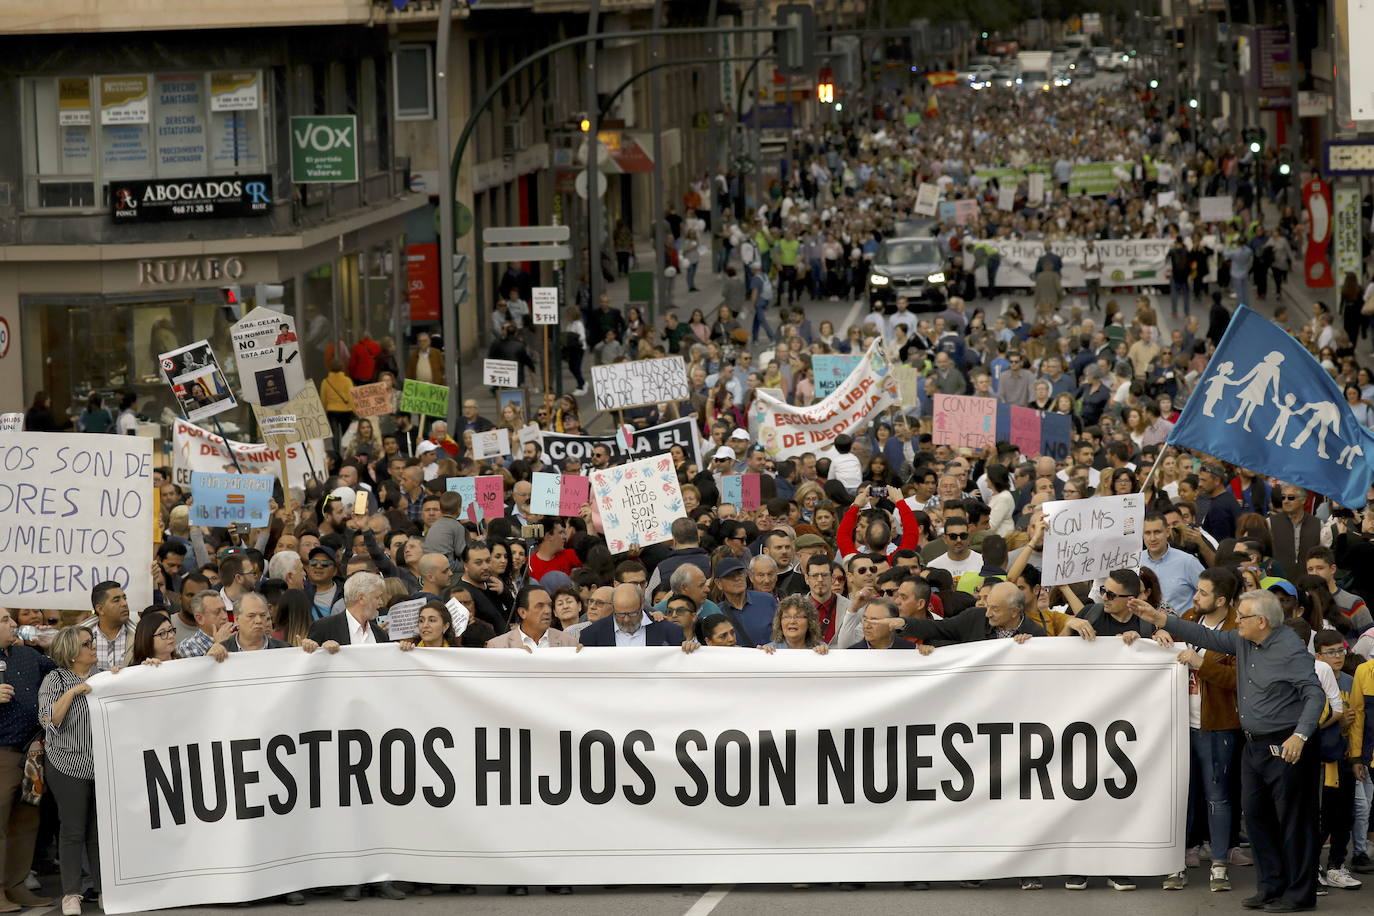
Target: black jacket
x: 967, y: 627
x: 337, y: 627
x: 658, y: 633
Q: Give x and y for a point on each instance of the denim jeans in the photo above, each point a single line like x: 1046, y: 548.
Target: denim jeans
x: 1177, y: 288
x: 1212, y: 754
x: 1364, y: 795
x: 761, y: 322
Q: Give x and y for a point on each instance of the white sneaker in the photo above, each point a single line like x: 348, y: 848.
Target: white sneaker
x: 71, y: 905
x: 579, y: 391
x: 32, y: 882
x: 1339, y: 877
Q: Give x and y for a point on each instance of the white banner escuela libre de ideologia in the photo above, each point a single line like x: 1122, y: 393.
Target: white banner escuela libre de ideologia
x: 76, y: 509
x: 195, y: 448
x: 786, y: 431
x: 316, y: 770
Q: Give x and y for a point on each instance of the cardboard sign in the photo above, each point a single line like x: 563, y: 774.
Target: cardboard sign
x: 483, y: 497
x: 1006, y: 197
x: 1025, y: 430
x: 425, y: 399
x: 964, y: 422
x: 1035, y: 191
x: 927, y: 199
x: 197, y: 383
x: 641, y: 382
x: 638, y: 501
x: 1215, y: 209
x: 559, y: 494
x: 217, y: 500
x: 373, y: 400
x: 544, y: 305
x: 908, y: 385
x: 268, y: 357
x: 75, y: 510
x: 491, y: 444
x: 965, y: 211
x: 1088, y: 538
x: 501, y: 373
x: 743, y: 491
x: 403, y: 619
x: 306, y: 413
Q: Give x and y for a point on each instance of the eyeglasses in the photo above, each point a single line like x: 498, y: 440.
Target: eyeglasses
x: 320, y: 564
x: 1240, y: 617
x: 1292, y: 499
x: 1335, y: 650
x: 793, y: 617
x: 887, y: 591
x: 164, y: 633
x: 863, y: 570
x: 956, y: 535
x: 1112, y: 596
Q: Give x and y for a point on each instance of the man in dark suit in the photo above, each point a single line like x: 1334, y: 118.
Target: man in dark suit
x: 628, y: 625
x: 364, y: 595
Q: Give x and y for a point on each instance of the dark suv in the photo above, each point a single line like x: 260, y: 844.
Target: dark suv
x: 910, y: 267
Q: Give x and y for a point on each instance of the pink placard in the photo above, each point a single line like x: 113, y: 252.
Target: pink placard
x: 964, y: 422
x: 574, y: 493
x: 1025, y: 430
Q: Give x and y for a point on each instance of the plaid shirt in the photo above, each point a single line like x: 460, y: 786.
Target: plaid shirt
x: 110, y: 653
x: 195, y: 645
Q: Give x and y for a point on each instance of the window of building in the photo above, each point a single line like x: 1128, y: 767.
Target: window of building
x: 81, y: 132
x: 413, y: 78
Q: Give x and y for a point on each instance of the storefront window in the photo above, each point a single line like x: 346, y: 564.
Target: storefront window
x: 109, y: 345
x: 81, y: 132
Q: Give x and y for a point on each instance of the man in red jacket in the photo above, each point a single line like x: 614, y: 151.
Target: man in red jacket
x: 362, y: 362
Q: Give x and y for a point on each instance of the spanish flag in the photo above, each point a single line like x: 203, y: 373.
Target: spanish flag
x: 932, y: 107
x: 942, y: 78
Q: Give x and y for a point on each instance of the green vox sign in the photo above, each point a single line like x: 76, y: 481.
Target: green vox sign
x: 324, y: 148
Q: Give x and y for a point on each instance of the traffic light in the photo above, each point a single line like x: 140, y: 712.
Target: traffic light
x: 583, y: 122
x: 460, y: 279
x: 795, y: 39
x: 1254, y: 138
x: 825, y: 92
x: 230, y: 303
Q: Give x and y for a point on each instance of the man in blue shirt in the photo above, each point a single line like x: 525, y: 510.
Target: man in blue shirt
x: 1176, y: 570
x: 750, y: 611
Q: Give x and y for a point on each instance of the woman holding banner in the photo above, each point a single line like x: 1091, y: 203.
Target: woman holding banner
x: 797, y: 625
x: 69, y: 761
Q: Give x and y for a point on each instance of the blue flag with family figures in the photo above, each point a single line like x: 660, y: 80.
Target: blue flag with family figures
x: 1265, y: 404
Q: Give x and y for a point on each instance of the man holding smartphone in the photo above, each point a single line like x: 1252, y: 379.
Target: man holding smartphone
x: 1280, y: 702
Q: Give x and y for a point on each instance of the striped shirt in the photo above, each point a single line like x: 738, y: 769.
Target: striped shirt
x: 67, y: 746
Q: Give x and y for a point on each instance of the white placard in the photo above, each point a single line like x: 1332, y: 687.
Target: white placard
x: 1035, y: 188
x: 268, y: 356
x: 889, y: 764
x: 544, y: 305
x: 530, y: 432
x: 1006, y: 197
x: 638, y: 501
x: 643, y: 381
x: 460, y: 616
x: 501, y: 373
x: 403, y: 619
x: 1215, y: 209
x: 76, y: 509
x: 11, y: 422
x: 1166, y: 199
x: 927, y: 199
x: 195, y: 448
x: 491, y: 444
x: 282, y: 424
x: 1088, y: 538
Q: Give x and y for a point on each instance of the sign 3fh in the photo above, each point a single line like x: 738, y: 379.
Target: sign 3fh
x: 324, y: 148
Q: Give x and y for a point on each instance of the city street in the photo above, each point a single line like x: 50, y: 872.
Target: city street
x: 997, y: 898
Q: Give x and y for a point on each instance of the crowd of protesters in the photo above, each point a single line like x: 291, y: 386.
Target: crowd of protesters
x: 883, y: 540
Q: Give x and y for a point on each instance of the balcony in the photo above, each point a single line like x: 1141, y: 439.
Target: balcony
x: 75, y: 16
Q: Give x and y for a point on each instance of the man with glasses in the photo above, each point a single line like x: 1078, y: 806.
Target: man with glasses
x: 324, y: 588
x: 959, y: 557
x: 1177, y: 571
x: 1294, y: 531
x: 832, y: 608
x: 1338, y: 799
x: 1016, y: 383
x: 749, y: 610
x: 629, y: 626
x: 1112, y: 616
x: 598, y: 608
x: 1280, y: 702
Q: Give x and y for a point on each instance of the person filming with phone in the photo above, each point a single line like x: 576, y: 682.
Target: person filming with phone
x: 1280, y: 702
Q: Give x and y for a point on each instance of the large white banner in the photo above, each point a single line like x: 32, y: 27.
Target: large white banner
x: 787, y: 431
x: 195, y: 448
x: 1125, y: 262
x: 75, y: 510
x: 316, y: 770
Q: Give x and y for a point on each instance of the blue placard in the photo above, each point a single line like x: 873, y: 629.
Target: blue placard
x: 217, y: 500
x: 830, y: 371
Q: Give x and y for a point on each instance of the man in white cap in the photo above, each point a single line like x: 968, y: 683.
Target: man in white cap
x: 429, y: 459
x: 739, y: 442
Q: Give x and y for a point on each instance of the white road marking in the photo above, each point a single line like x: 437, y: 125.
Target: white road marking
x: 710, y: 900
